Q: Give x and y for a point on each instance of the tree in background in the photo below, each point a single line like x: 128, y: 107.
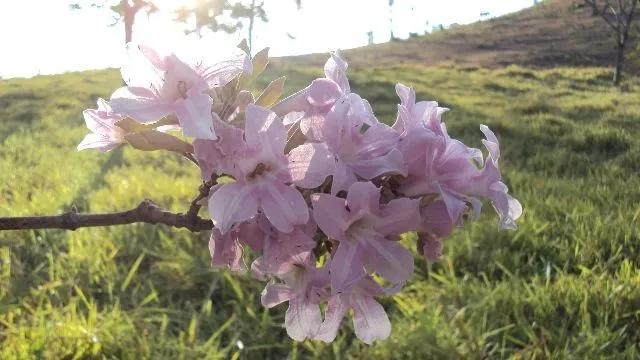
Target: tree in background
x: 126, y: 11
x: 225, y: 15
x: 391, y: 2
x: 619, y: 15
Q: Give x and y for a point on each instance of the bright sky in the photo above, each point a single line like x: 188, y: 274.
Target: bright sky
x: 46, y: 37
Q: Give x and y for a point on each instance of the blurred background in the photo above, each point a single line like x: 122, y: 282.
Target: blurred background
x: 556, y: 80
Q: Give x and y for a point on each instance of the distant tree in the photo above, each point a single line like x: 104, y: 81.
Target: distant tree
x: 619, y: 15
x: 391, y: 2
x: 125, y: 11
x: 225, y: 15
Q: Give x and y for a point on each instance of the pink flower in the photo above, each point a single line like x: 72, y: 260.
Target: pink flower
x: 105, y: 135
x: 261, y: 175
x: 282, y: 250
x: 488, y: 184
x: 367, y: 234
x: 160, y: 85
x: 218, y: 156
x: 436, y: 224
x: 317, y: 99
x: 304, y: 287
x: 226, y: 251
x: 370, y: 321
x: 347, y: 153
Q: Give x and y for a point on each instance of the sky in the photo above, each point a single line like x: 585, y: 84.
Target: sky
x: 47, y: 37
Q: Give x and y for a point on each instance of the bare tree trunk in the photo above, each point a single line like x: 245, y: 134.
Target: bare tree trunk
x: 617, y: 75
x: 129, y: 17
x: 251, y: 21
x: 128, y: 27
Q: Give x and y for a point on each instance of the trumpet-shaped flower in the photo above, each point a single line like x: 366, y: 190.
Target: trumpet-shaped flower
x: 164, y: 84
x: 226, y: 251
x: 346, y: 152
x: 105, y: 135
x: 304, y: 286
x: 261, y: 174
x: 370, y: 321
x: 316, y: 100
x: 367, y: 234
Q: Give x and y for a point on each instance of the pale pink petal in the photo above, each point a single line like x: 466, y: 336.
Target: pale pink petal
x: 323, y: 93
x: 312, y: 124
x: 310, y: 164
x: 389, y: 259
x: 363, y: 196
x: 491, y: 143
x: 343, y: 177
x: 330, y: 214
x: 406, y: 94
x: 99, y: 122
x: 139, y: 103
x: 430, y: 247
x: 194, y: 115
x: 370, y: 321
x: 399, y: 216
x: 226, y: 252
x: 296, y: 102
x: 391, y: 163
x: 144, y: 67
x: 252, y: 235
x: 347, y: 267
x: 98, y: 142
x: 231, y: 204
x: 436, y: 219
x: 302, y: 319
x: 336, y: 69
x: 284, y: 206
x: 219, y: 72
x: 274, y: 294
x: 454, y: 202
x: 333, y: 315
x: 264, y: 127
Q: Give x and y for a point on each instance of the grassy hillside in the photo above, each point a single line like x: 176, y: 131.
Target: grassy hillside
x: 565, y: 285
x: 553, y: 33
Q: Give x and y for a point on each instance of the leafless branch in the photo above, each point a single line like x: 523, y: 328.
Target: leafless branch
x: 146, y: 212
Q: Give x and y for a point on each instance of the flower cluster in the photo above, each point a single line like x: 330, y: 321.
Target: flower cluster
x: 319, y: 189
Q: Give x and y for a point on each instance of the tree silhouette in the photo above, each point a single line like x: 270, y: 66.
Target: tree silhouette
x: 125, y: 11
x: 619, y: 15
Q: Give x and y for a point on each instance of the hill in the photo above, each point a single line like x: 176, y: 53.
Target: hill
x: 550, y: 34
x: 565, y: 285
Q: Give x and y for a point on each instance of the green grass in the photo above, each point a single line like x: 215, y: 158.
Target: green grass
x: 565, y: 285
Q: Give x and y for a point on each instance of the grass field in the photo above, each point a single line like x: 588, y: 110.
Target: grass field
x: 565, y: 285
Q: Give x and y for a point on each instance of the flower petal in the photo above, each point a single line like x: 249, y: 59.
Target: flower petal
x: 370, y: 321
x: 139, y: 103
x: 98, y: 142
x: 389, y: 259
x: 263, y: 127
x: 310, y: 164
x: 347, y: 267
x: 230, y: 204
x: 302, y: 319
x: 333, y: 315
x: 399, y: 216
x: 336, y: 69
x: 194, y: 115
x: 284, y: 206
x: 363, y: 195
x: 330, y: 214
x: 218, y: 72
x: 274, y: 294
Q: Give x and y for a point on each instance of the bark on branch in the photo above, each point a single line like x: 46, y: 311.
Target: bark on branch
x: 146, y: 212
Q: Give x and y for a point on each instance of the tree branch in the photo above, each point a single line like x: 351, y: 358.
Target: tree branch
x: 146, y: 212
